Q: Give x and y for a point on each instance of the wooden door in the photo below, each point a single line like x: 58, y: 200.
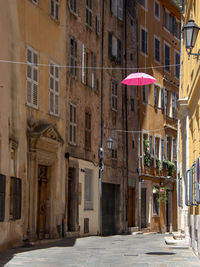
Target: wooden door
x: 131, y: 206
x: 143, y: 206
x: 42, y: 201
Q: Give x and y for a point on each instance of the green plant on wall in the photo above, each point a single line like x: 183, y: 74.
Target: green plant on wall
x: 161, y: 193
x: 170, y: 167
x: 159, y: 165
x: 147, y: 156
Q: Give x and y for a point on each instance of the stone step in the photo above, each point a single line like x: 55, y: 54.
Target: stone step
x: 178, y: 235
x: 169, y: 240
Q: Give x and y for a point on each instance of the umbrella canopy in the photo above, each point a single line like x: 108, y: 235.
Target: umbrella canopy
x: 138, y: 78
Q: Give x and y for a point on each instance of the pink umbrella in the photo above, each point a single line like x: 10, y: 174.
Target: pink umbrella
x: 138, y: 78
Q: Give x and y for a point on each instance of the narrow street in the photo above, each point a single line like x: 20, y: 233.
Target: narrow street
x: 127, y: 251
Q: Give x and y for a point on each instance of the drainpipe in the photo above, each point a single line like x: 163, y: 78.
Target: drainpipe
x: 139, y: 162
x: 101, y: 165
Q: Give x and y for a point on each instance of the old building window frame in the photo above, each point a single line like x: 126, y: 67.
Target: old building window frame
x: 114, y: 95
x: 54, y: 89
x: 156, y: 203
x: 156, y: 9
x: 166, y: 19
x: 117, y: 8
x: 114, y: 48
x: 72, y: 124
x: 73, y: 6
x: 89, y: 190
x: 73, y: 57
x: 88, y: 131
x: 144, y: 4
x: 177, y: 64
x: 55, y: 9
x: 32, y: 77
x: 35, y: 2
x: 144, y: 40
x: 2, y: 196
x: 157, y: 49
x: 89, y: 12
x: 167, y: 57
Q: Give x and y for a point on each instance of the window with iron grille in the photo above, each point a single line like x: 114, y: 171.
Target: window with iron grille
x: 73, y: 57
x: 88, y: 199
x: 55, y: 9
x: 177, y: 64
x: 54, y: 90
x: 87, y: 131
x: 2, y: 196
x: 32, y: 77
x: 167, y: 57
x: 72, y: 124
x: 89, y: 12
x: 73, y: 5
x: 15, y: 198
x: 157, y: 49
x: 114, y: 95
x: 144, y: 41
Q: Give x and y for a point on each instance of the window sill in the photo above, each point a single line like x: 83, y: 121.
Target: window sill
x: 31, y: 106
x: 73, y: 13
x: 55, y: 20
x: 88, y: 27
x: 54, y: 115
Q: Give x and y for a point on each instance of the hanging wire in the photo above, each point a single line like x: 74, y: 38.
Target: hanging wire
x: 81, y: 67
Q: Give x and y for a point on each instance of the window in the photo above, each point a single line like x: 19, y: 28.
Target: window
x: 165, y: 18
x: 73, y: 57
x: 15, y: 198
x: 167, y: 57
x: 174, y: 103
x: 157, y: 10
x: 89, y: 73
x: 166, y: 100
x: 162, y: 99
x: 54, y: 91
x: 114, y: 48
x: 162, y: 150
x: 144, y: 41
x: 73, y: 5
x: 177, y: 64
x: 89, y: 12
x: 32, y: 74
x: 72, y: 124
x: 144, y: 3
x: 2, y: 196
x: 151, y: 145
x: 156, y: 204
x: 55, y: 9
x: 97, y: 25
x: 169, y: 103
x: 117, y: 8
x: 145, y: 93
x: 114, y: 153
x: 114, y: 95
x: 88, y: 200
x: 132, y: 104
x: 178, y: 30
x: 34, y: 2
x: 168, y: 147
x: 157, y: 147
x: 87, y: 131
x: 157, y: 49
x: 172, y: 24
x: 157, y: 96
x: 174, y: 148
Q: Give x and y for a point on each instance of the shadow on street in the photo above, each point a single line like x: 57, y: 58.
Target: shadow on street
x: 7, y: 255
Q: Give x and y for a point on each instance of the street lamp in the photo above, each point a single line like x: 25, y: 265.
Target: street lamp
x: 101, y: 169
x: 190, y: 35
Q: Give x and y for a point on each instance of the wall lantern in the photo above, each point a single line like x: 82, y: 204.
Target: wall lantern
x: 190, y: 36
x: 109, y: 143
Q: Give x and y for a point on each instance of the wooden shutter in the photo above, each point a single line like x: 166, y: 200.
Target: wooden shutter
x: 2, y: 196
x: 110, y: 44
x: 16, y: 198
x: 119, y: 52
x: 83, y: 64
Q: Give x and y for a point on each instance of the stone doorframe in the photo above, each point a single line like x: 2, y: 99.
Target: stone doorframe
x: 44, y: 148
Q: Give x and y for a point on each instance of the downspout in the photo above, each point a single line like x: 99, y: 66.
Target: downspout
x: 139, y: 161
x: 126, y: 113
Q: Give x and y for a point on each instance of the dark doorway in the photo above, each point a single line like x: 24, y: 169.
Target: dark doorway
x: 169, y: 211
x: 131, y: 206
x: 42, y: 201
x: 143, y: 205
x: 72, y: 200
x: 109, y: 211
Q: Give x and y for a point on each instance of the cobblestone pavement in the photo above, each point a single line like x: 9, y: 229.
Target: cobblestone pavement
x: 119, y: 250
